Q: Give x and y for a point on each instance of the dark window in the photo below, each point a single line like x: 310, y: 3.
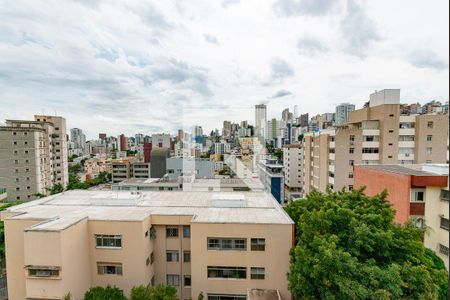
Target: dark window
x: 187, y: 231
x: 187, y: 280
x: 172, y: 232
x: 227, y: 244
x: 108, y: 241
x: 444, y: 195
x: 444, y: 223
x: 258, y: 244
x: 172, y: 256
x: 443, y: 249
x: 227, y: 272
x: 257, y: 273
x: 187, y: 256
x: 37, y: 272
x: 109, y: 269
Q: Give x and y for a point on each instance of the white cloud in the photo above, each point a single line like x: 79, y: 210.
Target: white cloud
x: 133, y: 66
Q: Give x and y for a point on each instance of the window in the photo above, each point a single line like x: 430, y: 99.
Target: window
x: 417, y: 195
x: 258, y: 244
x: 147, y: 262
x: 444, y: 223
x: 429, y: 150
x: 173, y: 280
x: 351, y: 162
x: 430, y: 124
x: 257, y: 273
x: 350, y: 187
x: 429, y: 138
x: 43, y: 271
x: 108, y: 241
x: 406, y: 138
x: 171, y: 232
x: 187, y: 280
x: 351, y: 150
x: 172, y: 256
x: 352, y: 140
x: 227, y: 272
x: 152, y: 258
x: 391, y: 131
x: 227, y: 244
x: 226, y: 297
x: 187, y: 256
x: 109, y: 269
x: 350, y: 175
x: 444, y: 195
x: 443, y: 249
x: 369, y: 150
x: 186, y: 231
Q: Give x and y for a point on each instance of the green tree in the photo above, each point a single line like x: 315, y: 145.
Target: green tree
x: 160, y: 292
x: 200, y: 296
x: 74, y: 169
x: 348, y: 247
x: 101, y: 293
x: 56, y: 189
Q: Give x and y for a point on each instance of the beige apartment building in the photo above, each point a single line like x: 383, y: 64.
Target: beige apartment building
x: 220, y: 244
x: 377, y: 134
x: 33, y: 156
x: 293, y: 169
x: 129, y: 167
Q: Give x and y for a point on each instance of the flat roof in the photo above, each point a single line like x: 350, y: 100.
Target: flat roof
x: 60, y: 211
x: 415, y: 170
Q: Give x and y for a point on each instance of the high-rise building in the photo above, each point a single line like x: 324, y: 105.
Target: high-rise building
x: 139, y: 139
x: 161, y: 140
x: 342, y: 111
x: 33, y: 156
x: 304, y: 120
x: 260, y: 120
x: 218, y: 244
x: 293, y: 168
x: 78, y: 138
x: 122, y: 143
x: 377, y: 134
x: 226, y: 130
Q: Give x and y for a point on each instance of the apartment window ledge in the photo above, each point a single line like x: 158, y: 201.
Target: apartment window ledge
x: 232, y: 279
x: 44, y: 277
x: 110, y: 248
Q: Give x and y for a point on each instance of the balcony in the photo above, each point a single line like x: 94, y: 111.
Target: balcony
x: 330, y: 180
x: 370, y: 156
x: 332, y: 145
x: 406, y: 131
x: 408, y: 144
x: 370, y: 144
x: 331, y: 156
x: 371, y: 132
x: 405, y: 156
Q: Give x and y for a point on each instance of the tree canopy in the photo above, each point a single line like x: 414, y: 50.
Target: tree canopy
x: 348, y: 247
x: 160, y: 292
x: 107, y: 293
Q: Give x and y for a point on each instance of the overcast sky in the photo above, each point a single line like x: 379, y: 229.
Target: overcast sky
x: 152, y: 66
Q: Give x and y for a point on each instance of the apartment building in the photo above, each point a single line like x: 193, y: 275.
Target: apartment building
x: 3, y: 194
x: 129, y: 167
x: 293, y: 168
x: 33, y: 156
x: 220, y: 244
x: 376, y: 134
x: 271, y: 175
x: 418, y: 193
x: 200, y: 167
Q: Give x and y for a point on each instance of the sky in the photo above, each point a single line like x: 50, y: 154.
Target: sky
x: 137, y: 66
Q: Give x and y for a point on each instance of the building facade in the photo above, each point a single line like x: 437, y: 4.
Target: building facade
x: 293, y: 168
x: 218, y: 244
x: 342, y: 112
x: 33, y: 156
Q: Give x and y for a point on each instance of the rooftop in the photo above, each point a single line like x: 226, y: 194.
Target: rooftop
x: 415, y: 170
x: 60, y: 211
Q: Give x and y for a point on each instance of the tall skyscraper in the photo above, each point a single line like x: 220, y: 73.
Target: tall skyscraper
x: 78, y: 138
x: 260, y: 120
x: 33, y: 156
x: 122, y: 143
x: 342, y: 111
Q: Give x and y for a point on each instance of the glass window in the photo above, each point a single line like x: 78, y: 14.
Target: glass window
x: 257, y: 273
x: 444, y: 195
x: 187, y: 231
x: 172, y: 232
x: 351, y: 150
x: 443, y: 249
x: 429, y: 138
x: 108, y: 241
x: 429, y: 150
x: 226, y: 297
x: 227, y: 272
x: 430, y: 124
x: 173, y: 280
x: 187, y: 280
x: 43, y: 272
x: 109, y: 269
x: 258, y: 244
x: 417, y: 195
x: 172, y: 256
x: 444, y: 223
x: 227, y: 244
x: 187, y: 256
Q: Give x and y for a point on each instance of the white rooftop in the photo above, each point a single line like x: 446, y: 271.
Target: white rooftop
x: 60, y: 211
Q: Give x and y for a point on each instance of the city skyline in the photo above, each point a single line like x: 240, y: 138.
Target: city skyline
x: 132, y: 75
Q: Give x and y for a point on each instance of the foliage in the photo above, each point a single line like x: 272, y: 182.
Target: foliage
x: 56, y: 189
x: 75, y: 168
x: 278, y: 153
x: 160, y: 292
x: 349, y: 248
x: 200, y: 296
x: 68, y: 296
x: 71, y: 158
x: 2, y: 228
x: 131, y: 152
x: 76, y: 184
x: 101, y: 293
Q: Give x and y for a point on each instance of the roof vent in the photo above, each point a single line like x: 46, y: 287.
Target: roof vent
x: 228, y: 200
